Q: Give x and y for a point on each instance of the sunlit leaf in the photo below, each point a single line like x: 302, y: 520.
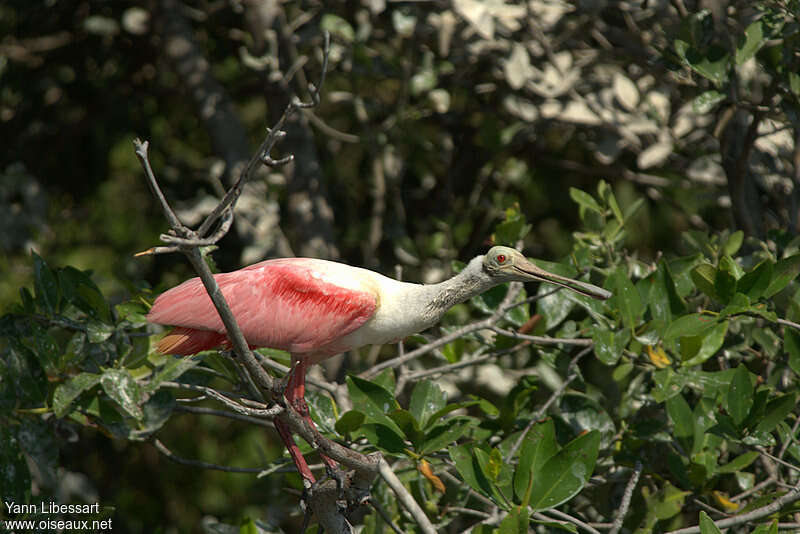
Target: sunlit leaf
x: 565, y: 473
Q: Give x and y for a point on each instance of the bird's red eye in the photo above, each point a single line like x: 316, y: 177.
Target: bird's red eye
x: 501, y: 258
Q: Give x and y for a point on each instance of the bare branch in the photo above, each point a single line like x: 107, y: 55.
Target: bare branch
x: 764, y: 511
x: 626, y: 499
x: 197, y: 463
x: 405, y: 497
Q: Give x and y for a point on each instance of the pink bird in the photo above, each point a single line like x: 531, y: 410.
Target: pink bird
x: 315, y: 309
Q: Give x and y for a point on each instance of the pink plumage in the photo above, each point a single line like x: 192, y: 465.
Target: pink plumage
x: 293, y: 304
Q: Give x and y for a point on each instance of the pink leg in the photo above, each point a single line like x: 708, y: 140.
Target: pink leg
x: 294, y: 451
x: 295, y: 394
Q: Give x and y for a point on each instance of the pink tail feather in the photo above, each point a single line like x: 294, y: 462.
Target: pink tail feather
x: 187, y: 341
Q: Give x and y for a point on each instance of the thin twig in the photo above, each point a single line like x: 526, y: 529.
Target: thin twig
x: 626, y: 499
x: 570, y: 519
x: 202, y: 410
x: 405, y: 498
x: 197, y: 463
x: 764, y: 511
x: 543, y: 340
x: 232, y: 404
x: 385, y: 515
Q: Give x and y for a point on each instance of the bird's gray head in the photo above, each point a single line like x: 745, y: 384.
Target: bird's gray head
x: 505, y: 264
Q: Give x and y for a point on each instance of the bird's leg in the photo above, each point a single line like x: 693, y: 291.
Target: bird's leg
x: 294, y: 452
x: 295, y: 394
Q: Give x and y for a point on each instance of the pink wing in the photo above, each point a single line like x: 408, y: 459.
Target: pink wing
x: 290, y: 304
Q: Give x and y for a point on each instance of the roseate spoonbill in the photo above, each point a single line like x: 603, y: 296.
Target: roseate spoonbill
x: 315, y: 309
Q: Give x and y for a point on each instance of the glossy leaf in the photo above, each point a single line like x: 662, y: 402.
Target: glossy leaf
x: 606, y: 348
x: 539, y: 446
x: 467, y: 466
x: 516, y: 522
x: 120, y: 386
x: 776, y: 411
x: 349, y: 421
x: 45, y: 284
x: 703, y: 276
x: 427, y: 398
x: 681, y: 416
x: 791, y: 343
x: 738, y: 463
x: 755, y: 282
x: 585, y: 201
x: 751, y: 42
x: 626, y: 298
x: 445, y: 433
x: 711, y: 342
x: 707, y: 101
x: 784, y: 272
x: 174, y: 368
x: 740, y: 394
x: 384, y: 438
x: 66, y: 393
x: 707, y: 526
x: 374, y: 401
x: 565, y: 474
x: 693, y: 324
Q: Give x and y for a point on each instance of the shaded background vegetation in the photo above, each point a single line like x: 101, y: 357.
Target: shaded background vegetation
x: 436, y: 117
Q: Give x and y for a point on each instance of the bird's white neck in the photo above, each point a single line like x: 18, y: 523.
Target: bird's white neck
x: 471, y: 281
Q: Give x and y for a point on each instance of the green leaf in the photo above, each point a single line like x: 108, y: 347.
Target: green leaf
x: 512, y: 229
x: 374, y: 401
x: 45, y: 285
x: 97, y: 332
x: 755, y: 282
x: 791, y: 343
x: 384, y: 438
x: 156, y: 412
x: 740, y: 394
x: 338, y: 27
x: 121, y: 387
x: 693, y: 324
x: 784, y: 272
x: 585, y: 201
x: 667, y: 502
x: 776, y: 411
x: 711, y: 63
x: 467, y: 466
x: 733, y: 244
x: 738, y: 463
x: 173, y: 368
x: 350, y: 421
x: 751, y: 42
x: 66, y: 393
x: 605, y: 346
x: 710, y: 342
x: 707, y: 101
x: 664, y: 301
x: 626, y: 298
x: 539, y: 446
x: 681, y: 416
x: 443, y: 434
x: 565, y: 474
x: 427, y: 398
x: 516, y: 522
x: 707, y: 526
x: 703, y: 277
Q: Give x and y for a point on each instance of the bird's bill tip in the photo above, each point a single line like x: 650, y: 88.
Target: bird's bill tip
x: 578, y: 286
